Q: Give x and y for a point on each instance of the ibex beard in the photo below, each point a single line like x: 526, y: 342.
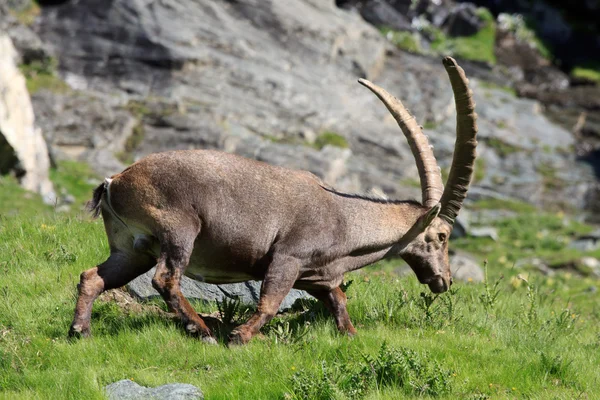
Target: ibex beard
x: 223, y: 218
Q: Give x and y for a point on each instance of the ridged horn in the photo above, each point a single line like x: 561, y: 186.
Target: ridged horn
x: 429, y: 172
x: 463, y: 160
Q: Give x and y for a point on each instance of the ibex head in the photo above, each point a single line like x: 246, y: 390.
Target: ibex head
x: 425, y: 246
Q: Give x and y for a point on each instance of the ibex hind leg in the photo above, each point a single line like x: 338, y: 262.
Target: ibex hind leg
x: 335, y: 301
x: 176, y: 249
x: 279, y: 280
x: 118, y: 270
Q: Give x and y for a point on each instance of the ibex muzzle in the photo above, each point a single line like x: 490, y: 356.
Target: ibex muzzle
x: 223, y: 218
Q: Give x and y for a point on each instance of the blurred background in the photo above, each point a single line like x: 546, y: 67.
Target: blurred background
x: 90, y: 86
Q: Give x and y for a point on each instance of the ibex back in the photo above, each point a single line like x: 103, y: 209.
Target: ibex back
x: 222, y: 218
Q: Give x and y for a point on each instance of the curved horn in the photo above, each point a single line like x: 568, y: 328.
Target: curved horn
x: 429, y: 172
x: 466, y: 141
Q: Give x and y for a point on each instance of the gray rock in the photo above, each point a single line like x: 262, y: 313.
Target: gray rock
x: 590, y: 265
x: 536, y: 262
x: 129, y: 390
x: 589, y: 242
x: 484, y: 232
x: 461, y: 225
x: 247, y: 292
x: 465, y: 268
x: 23, y: 150
x: 463, y: 20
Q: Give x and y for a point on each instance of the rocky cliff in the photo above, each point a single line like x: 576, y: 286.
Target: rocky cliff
x: 276, y: 81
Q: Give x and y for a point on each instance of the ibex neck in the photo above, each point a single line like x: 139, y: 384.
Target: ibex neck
x: 374, y: 225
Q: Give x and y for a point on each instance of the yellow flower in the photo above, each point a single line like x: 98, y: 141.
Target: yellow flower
x: 515, y: 281
x: 514, y: 388
x: 469, y: 279
x: 293, y: 368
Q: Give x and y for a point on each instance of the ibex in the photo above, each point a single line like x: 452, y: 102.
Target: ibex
x: 222, y: 218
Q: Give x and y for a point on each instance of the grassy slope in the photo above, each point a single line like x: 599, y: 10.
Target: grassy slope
x: 534, y: 341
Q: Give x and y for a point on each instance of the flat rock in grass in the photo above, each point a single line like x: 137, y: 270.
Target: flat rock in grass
x: 484, y: 232
x: 589, y: 242
x: 129, y: 390
x: 465, y: 268
x: 248, y: 292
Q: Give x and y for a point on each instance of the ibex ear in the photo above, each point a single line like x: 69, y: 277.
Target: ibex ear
x: 428, y: 218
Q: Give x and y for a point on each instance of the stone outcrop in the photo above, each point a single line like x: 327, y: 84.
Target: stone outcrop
x: 246, y: 292
x: 171, y: 77
x: 23, y: 150
x: 129, y: 390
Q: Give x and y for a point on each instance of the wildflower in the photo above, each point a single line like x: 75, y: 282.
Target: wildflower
x: 469, y: 279
x: 514, y: 388
x: 293, y: 368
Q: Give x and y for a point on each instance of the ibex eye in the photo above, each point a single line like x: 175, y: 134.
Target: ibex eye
x: 442, y: 237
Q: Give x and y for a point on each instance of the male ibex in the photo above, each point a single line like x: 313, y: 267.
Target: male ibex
x: 222, y: 218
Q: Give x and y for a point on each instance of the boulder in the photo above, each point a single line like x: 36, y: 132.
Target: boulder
x: 247, y: 292
x: 463, y: 20
x: 128, y: 390
x: 465, y: 268
x: 23, y: 150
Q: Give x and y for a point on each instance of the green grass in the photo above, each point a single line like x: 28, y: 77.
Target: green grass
x: 42, y: 75
x: 477, y: 47
x: 497, y: 204
x: 132, y: 143
x: 27, y: 14
x: 509, y: 338
x: 328, y: 138
x: 590, y: 72
x: 480, y: 170
x: 501, y: 147
x: 403, y: 40
x: 492, y: 85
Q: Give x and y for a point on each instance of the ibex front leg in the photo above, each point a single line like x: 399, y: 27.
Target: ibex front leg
x: 278, y: 282
x: 175, y: 255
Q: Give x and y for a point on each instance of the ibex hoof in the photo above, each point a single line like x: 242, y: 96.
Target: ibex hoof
x: 209, y: 340
x: 78, y: 331
x: 238, y: 338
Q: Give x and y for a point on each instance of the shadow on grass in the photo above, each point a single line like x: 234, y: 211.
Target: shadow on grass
x: 111, y: 319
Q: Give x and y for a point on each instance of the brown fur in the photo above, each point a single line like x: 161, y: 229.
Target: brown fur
x: 234, y: 219
x: 222, y: 218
